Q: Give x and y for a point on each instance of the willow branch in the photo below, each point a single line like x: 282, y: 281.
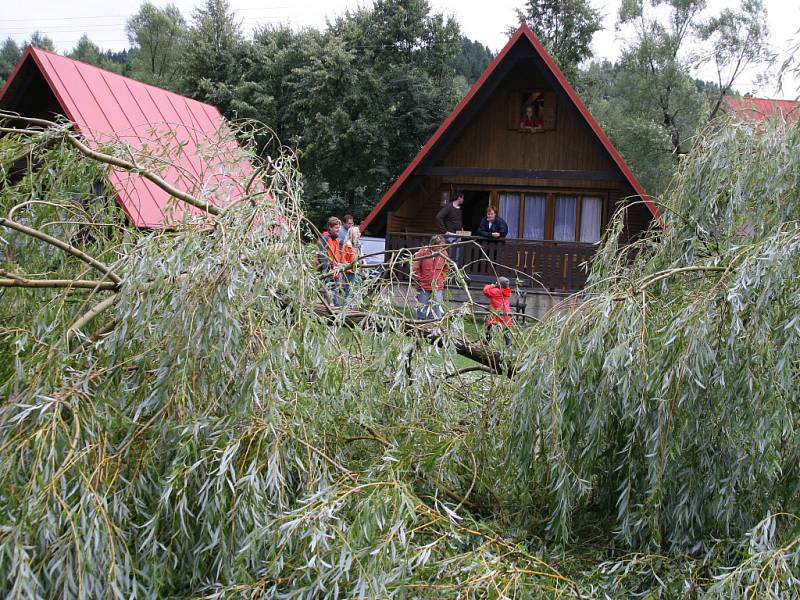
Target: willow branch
x: 663, y: 275
x: 73, y: 140
x: 35, y: 233
x: 466, y: 370
x: 59, y: 283
x: 476, y: 351
x: 90, y: 315
x: 4, y: 114
x: 133, y: 168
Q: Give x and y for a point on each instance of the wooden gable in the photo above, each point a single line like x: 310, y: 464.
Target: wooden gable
x: 480, y: 145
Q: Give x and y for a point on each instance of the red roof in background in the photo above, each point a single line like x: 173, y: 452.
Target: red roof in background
x: 527, y: 33
x: 758, y: 110
x: 106, y: 107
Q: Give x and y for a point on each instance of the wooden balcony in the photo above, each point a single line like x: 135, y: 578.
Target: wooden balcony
x: 543, y: 265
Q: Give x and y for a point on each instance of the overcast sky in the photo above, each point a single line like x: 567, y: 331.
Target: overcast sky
x: 483, y: 20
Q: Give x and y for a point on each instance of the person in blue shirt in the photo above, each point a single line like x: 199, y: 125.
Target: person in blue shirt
x: 347, y: 223
x: 492, y: 226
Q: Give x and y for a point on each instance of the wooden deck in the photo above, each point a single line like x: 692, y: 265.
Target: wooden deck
x: 543, y: 265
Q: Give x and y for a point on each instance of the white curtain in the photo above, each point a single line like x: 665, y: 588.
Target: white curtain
x: 564, y: 226
x: 535, y: 209
x: 591, y: 210
x: 509, y: 210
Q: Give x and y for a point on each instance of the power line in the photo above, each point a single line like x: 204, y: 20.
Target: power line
x: 38, y: 19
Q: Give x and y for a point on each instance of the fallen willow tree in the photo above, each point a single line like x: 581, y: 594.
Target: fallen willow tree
x: 189, y: 417
x: 669, y: 400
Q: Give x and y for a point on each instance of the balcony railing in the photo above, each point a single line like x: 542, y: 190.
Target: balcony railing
x: 553, y: 266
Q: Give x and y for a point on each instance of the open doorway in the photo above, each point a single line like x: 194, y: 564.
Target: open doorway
x: 474, y: 208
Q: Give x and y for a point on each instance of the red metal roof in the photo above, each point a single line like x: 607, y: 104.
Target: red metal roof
x: 189, y: 135
x: 746, y: 108
x: 527, y: 33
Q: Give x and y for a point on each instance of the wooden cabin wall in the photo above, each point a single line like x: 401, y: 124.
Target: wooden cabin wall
x: 491, y: 153
x: 487, y: 142
x: 637, y: 221
x: 418, y: 212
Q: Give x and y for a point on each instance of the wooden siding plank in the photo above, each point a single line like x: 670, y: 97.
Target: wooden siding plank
x: 561, y: 175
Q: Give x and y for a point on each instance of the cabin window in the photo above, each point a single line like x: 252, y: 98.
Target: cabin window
x: 541, y: 215
x: 525, y: 214
x: 591, y: 219
x: 509, y: 210
x: 535, y: 215
x: 532, y: 111
x: 565, y: 219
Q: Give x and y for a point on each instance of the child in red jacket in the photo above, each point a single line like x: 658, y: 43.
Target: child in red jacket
x: 499, y: 308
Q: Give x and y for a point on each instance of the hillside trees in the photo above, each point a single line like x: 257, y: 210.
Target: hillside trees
x: 565, y: 28
x: 357, y: 100
x: 89, y: 52
x: 399, y: 56
x: 10, y: 53
x: 157, y: 37
x: 471, y: 60
x: 40, y: 40
x: 211, y: 57
x: 654, y: 107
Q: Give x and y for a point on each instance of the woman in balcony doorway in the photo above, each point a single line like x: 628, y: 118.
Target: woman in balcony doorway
x: 492, y: 226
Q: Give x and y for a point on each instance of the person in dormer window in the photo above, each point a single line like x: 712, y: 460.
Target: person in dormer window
x: 530, y: 121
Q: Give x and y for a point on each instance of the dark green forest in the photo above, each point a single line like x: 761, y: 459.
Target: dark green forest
x: 358, y: 98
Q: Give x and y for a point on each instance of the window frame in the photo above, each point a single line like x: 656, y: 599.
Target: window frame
x: 550, y: 194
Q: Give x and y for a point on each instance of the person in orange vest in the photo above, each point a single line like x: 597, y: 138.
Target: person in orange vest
x: 330, y: 259
x: 499, y: 308
x: 429, y: 271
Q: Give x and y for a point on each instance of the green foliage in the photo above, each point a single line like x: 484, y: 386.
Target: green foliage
x: 10, y: 53
x: 357, y: 101
x: 471, y: 60
x: 213, y: 435
x: 622, y: 99
x: 565, y: 28
x: 222, y: 438
x: 736, y: 41
x: 669, y: 397
x: 89, y: 52
x: 40, y: 40
x: 157, y: 36
x: 654, y: 106
x: 210, y: 62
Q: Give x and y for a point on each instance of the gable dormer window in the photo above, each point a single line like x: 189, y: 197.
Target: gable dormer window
x: 532, y: 111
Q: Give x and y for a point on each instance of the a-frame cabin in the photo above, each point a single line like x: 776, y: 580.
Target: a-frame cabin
x: 556, y: 184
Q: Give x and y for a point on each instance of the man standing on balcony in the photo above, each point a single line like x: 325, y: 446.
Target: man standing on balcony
x: 492, y: 226
x: 450, y: 221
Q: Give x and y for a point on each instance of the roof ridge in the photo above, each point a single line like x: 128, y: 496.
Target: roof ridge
x: 35, y: 50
